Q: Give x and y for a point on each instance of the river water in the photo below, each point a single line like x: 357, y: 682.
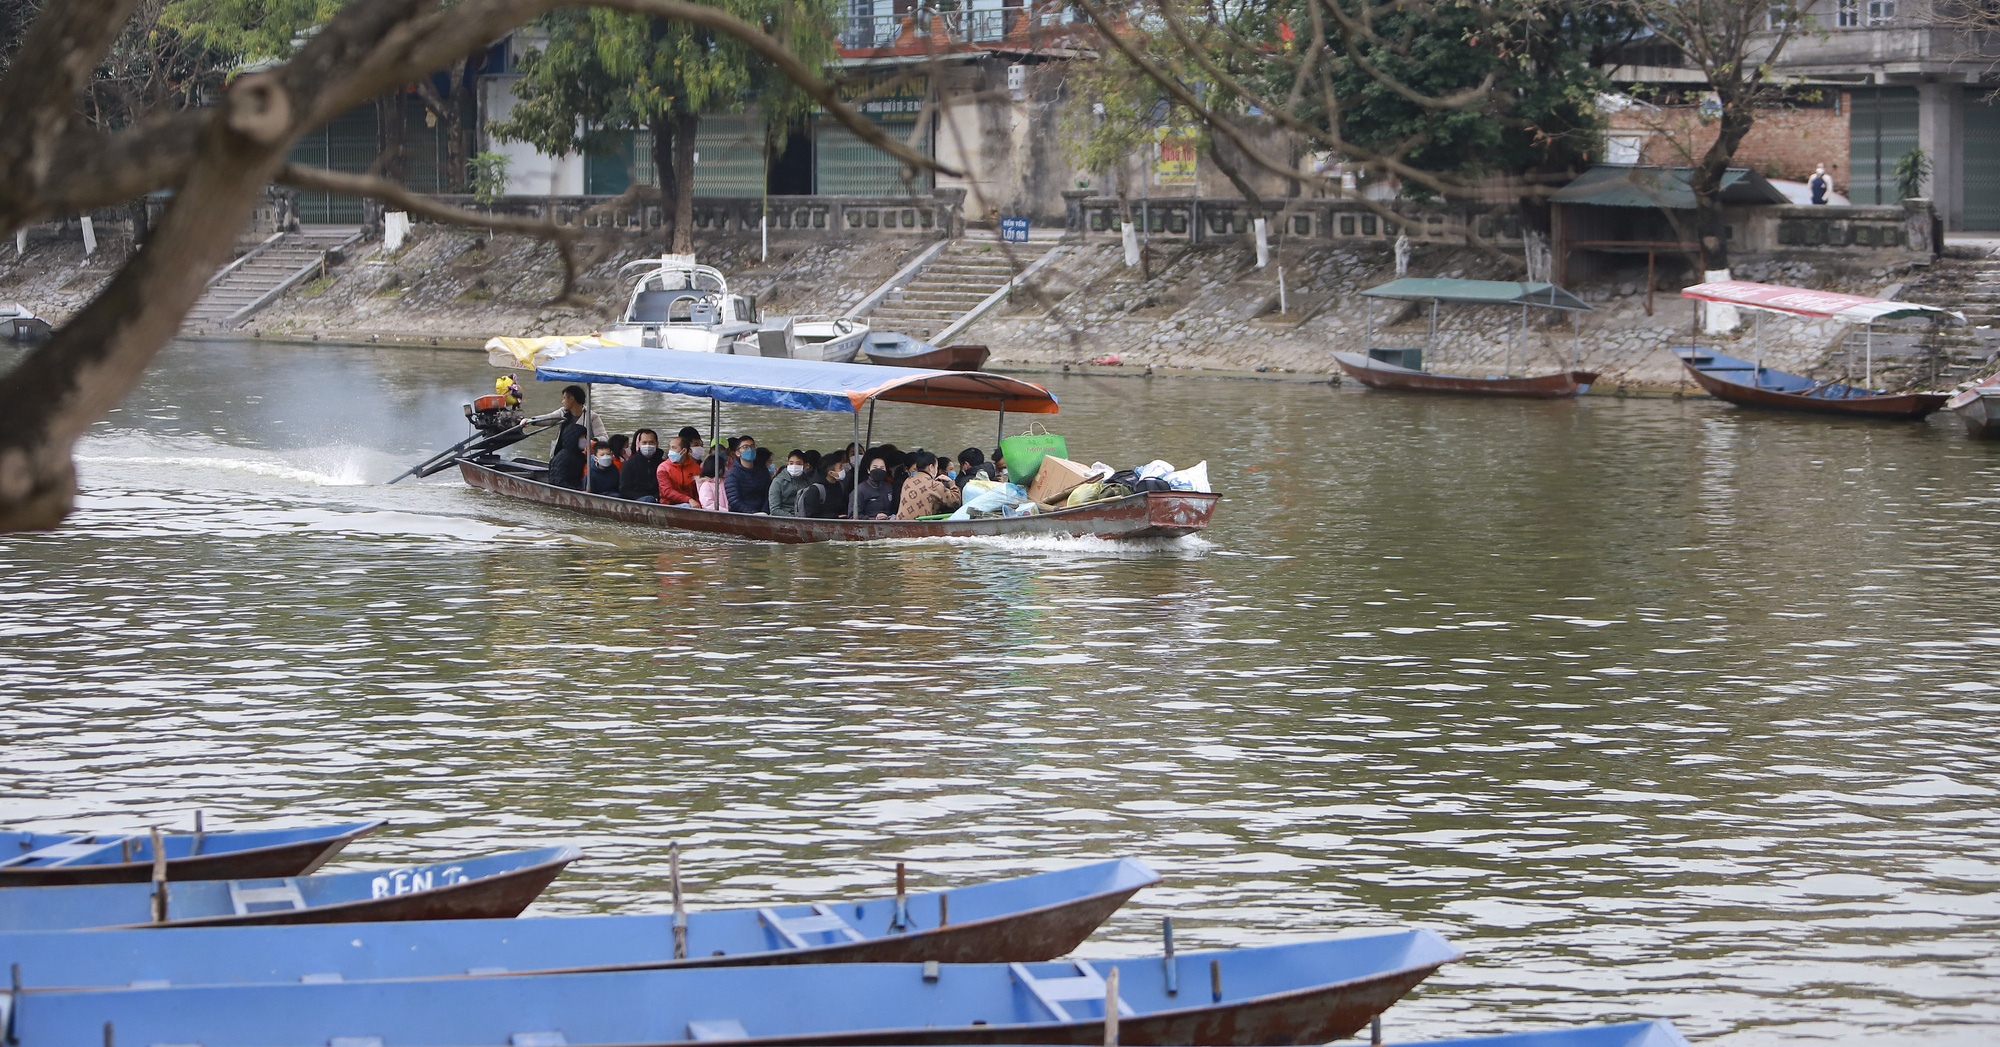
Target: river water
x: 1657, y: 709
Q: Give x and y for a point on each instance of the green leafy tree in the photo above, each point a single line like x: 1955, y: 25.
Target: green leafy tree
x: 604, y: 71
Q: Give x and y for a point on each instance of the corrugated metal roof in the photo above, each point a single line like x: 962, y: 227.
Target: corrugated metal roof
x: 1479, y: 292
x: 1628, y: 185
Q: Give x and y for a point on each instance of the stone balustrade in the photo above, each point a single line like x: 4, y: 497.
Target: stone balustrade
x: 1315, y: 220
x: 942, y: 213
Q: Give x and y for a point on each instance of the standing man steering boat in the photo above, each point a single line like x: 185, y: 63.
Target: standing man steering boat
x: 568, y: 455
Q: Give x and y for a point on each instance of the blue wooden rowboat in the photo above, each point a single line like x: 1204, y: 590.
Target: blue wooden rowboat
x: 1305, y: 993
x: 1028, y: 918
x: 1627, y: 1034
x: 1746, y: 384
x: 497, y: 885
x: 49, y: 860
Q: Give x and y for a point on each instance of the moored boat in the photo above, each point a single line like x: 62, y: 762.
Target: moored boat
x: 1401, y: 369
x: 1023, y: 919
x: 814, y: 386
x: 46, y: 859
x: 900, y: 350
x: 1745, y: 384
x: 1748, y: 383
x: 1310, y: 992
x: 498, y: 885
x: 1979, y: 408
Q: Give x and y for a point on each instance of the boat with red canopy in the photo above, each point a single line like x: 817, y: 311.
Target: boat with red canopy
x: 806, y: 385
x: 1382, y: 367
x: 1748, y: 383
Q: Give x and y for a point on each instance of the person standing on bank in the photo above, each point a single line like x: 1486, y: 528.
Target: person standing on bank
x: 567, y: 457
x: 1819, y: 185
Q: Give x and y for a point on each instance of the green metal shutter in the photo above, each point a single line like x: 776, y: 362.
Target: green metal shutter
x: 607, y: 169
x: 1980, y: 175
x: 844, y: 165
x: 349, y: 144
x: 1881, y: 128
x: 731, y: 151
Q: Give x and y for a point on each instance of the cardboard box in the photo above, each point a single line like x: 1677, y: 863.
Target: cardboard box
x: 1056, y: 478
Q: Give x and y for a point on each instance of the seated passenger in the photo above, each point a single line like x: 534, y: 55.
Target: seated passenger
x: 828, y: 497
x: 677, y: 475
x: 749, y: 484
x: 972, y: 465
x: 926, y: 493
x: 603, y: 469
x: 709, y: 488
x: 795, y: 477
x: 878, y: 495
x: 621, y: 447
x: 639, y: 477
x: 691, y: 444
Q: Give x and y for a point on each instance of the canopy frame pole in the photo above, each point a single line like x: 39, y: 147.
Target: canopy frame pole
x: 1524, y: 344
x: 714, y: 448
x: 854, y: 469
x: 1431, y: 349
x: 1757, y: 326
x: 1575, y: 340
x: 1368, y: 342
x: 861, y: 460
x: 589, y: 451
x: 1000, y: 427
x: 1868, y: 367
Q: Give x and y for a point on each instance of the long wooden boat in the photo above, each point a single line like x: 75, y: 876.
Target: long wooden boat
x: 495, y: 886
x: 1744, y: 384
x: 892, y: 349
x: 1979, y: 408
x: 1624, y: 1034
x: 48, y: 860
x: 1024, y: 919
x: 1157, y: 514
x: 804, y: 385
x: 1380, y: 374
x: 1304, y: 993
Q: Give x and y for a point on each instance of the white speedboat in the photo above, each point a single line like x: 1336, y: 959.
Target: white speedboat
x: 677, y: 304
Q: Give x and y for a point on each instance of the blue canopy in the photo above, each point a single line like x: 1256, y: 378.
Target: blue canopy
x: 801, y: 385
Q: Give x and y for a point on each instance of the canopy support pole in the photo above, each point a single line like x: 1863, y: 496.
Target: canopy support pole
x: 589, y: 452
x: 1431, y: 349
x: 1575, y: 340
x: 1369, y: 342
x: 1000, y: 428
x: 861, y: 461
x: 1757, y: 325
x: 1524, y: 344
x: 855, y: 467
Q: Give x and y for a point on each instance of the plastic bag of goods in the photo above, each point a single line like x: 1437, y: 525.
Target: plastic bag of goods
x: 1155, y: 470
x: 1194, y: 478
x: 988, y: 497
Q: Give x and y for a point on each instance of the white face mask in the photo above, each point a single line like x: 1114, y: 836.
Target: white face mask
x: 604, y: 459
x: 649, y: 450
x: 700, y: 453
x: 795, y: 470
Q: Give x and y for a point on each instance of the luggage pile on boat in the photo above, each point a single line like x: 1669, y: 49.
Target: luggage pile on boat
x: 430, y: 956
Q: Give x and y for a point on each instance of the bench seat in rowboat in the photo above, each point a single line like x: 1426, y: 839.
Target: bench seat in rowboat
x: 1026, y: 918
x: 494, y: 886
x: 1308, y: 992
x: 47, y: 859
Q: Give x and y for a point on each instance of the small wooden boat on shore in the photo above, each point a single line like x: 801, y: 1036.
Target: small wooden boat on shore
x: 1624, y: 1034
x: 19, y: 325
x: 1401, y: 369
x: 1310, y: 992
x: 49, y: 860
x: 810, y: 385
x: 900, y: 350
x: 1748, y: 383
x: 1979, y: 408
x: 1024, y: 919
x: 499, y: 885
x: 1743, y: 383
x: 1379, y: 374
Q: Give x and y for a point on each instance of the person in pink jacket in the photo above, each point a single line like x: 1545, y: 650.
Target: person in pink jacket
x: 709, y: 488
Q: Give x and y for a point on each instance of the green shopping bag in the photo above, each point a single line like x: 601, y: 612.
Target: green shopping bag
x: 1024, y: 453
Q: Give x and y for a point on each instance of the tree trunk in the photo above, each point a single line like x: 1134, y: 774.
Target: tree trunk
x: 1229, y: 171
x: 95, y: 359
x: 449, y: 110
x: 389, y: 136
x: 673, y: 159
x: 1711, y: 227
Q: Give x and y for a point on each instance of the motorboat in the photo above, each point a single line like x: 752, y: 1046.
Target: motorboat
x: 678, y: 304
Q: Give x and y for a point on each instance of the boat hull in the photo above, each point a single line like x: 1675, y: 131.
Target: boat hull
x: 1158, y: 514
x: 290, y: 858
x: 1979, y: 408
x: 1378, y: 375
x: 1304, y: 993
x: 1907, y: 407
x: 949, y: 358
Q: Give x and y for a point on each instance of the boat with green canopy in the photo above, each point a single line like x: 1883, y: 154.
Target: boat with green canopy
x: 800, y: 385
x: 1402, y: 368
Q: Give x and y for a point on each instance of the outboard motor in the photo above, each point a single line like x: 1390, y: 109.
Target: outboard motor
x: 494, y: 414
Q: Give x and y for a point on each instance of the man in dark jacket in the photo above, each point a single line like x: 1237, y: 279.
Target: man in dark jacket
x: 972, y: 465
x: 828, y: 498
x: 749, y: 483
x: 604, y: 475
x: 639, y: 477
x: 877, y: 493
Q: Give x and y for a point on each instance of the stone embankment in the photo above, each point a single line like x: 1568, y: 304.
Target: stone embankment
x: 1203, y: 308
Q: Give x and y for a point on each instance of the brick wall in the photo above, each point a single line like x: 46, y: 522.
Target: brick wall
x: 1783, y: 143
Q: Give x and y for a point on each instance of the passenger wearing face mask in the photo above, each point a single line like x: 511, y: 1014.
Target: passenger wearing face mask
x: 677, y: 475
x: 794, y: 478
x: 639, y: 477
x: 877, y: 493
x: 749, y: 483
x: 826, y: 498
x: 604, y: 475
x: 926, y: 493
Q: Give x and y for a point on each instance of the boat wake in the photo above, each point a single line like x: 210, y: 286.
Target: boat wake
x: 1191, y: 546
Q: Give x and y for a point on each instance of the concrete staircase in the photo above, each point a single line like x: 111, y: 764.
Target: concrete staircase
x: 255, y: 278
x: 964, y: 275
x: 1919, y: 356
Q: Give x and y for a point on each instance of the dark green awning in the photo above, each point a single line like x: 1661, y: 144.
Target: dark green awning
x: 1630, y: 185
x: 1479, y: 292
